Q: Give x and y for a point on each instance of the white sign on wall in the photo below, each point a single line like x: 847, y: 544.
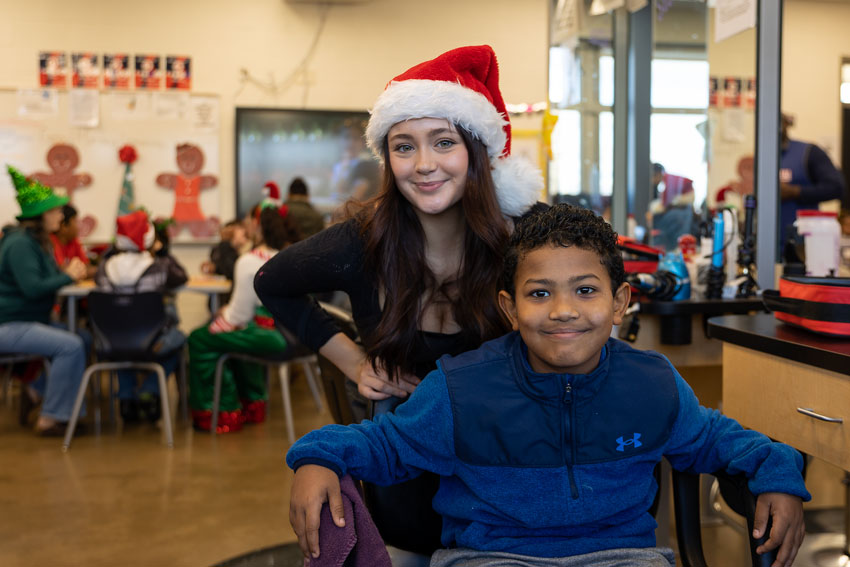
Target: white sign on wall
x: 733, y: 16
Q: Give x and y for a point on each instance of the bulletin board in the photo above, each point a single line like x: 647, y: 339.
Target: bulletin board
x: 96, y: 125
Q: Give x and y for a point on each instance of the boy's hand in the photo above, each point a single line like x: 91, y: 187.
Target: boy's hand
x: 312, y: 487
x: 788, y: 527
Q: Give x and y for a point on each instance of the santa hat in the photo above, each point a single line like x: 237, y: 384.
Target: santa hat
x: 271, y: 191
x: 462, y: 86
x: 135, y: 232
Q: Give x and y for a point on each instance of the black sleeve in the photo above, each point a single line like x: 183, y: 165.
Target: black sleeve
x: 328, y: 261
x: 827, y: 182
x: 176, y: 274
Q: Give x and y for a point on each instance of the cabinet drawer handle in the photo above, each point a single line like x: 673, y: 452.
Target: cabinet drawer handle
x: 810, y: 413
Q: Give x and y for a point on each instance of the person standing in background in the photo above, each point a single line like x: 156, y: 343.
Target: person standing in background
x: 305, y: 215
x: 357, y: 175
x: 807, y: 177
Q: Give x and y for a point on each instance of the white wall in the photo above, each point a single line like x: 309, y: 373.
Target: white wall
x: 362, y: 47
x: 814, y: 40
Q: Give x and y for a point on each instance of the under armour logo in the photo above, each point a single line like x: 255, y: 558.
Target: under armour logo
x: 633, y: 441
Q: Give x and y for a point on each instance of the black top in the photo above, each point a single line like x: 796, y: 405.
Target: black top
x: 332, y: 260
x: 764, y: 333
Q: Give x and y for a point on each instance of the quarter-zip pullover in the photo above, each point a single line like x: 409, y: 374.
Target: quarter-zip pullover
x: 549, y: 465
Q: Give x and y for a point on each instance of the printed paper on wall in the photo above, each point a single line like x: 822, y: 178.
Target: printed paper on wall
x: 178, y: 72
x: 52, y: 69
x: 86, y: 68
x: 148, y: 71
x: 116, y: 71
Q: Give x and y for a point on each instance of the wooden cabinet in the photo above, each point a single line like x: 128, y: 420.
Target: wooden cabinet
x: 763, y: 392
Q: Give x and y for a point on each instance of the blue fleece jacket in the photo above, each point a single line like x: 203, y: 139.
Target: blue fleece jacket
x: 549, y: 465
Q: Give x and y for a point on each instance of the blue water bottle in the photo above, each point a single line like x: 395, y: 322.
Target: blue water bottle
x: 674, y: 263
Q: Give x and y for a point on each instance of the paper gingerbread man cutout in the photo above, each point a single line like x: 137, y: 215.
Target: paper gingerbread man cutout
x: 187, y: 186
x: 63, y: 159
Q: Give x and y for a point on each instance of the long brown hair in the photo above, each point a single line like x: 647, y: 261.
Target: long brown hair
x: 395, y: 252
x: 35, y: 228
x: 278, y: 230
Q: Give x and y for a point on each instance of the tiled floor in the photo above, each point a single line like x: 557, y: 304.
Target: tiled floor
x: 125, y: 499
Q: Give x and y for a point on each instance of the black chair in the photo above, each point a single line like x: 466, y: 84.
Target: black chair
x: 126, y: 328
x: 336, y: 385
x: 295, y: 353
x: 736, y: 493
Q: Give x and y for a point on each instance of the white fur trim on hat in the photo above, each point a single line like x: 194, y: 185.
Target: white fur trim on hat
x: 126, y: 244
x: 518, y: 184
x: 422, y: 98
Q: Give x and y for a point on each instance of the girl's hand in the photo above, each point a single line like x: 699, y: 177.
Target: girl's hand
x: 375, y: 384
x: 313, y: 486
x: 76, y: 269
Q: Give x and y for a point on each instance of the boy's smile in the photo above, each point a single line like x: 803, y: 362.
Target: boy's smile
x: 564, y: 308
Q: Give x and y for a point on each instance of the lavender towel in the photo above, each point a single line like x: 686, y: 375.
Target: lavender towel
x: 358, y: 543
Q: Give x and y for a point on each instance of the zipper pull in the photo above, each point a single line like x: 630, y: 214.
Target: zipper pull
x: 568, y: 393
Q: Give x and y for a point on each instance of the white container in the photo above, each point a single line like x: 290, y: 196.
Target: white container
x: 821, y: 234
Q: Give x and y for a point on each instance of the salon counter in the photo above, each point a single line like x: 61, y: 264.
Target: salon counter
x: 788, y: 383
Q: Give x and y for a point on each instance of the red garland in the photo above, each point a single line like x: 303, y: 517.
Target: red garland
x: 127, y: 154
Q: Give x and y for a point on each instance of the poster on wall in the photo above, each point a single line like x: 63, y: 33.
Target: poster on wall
x: 148, y: 73
x: 116, y: 71
x: 732, y: 92
x: 178, y: 72
x: 86, y: 68
x: 52, y: 69
x: 750, y: 93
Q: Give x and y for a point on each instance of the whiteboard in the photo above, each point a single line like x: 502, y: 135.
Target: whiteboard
x: 154, y: 123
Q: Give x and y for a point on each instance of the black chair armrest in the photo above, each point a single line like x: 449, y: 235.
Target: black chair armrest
x: 687, y: 515
x: 736, y: 492
x: 686, y: 495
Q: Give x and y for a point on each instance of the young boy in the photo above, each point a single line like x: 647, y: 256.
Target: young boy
x: 545, y: 439
x: 141, y: 263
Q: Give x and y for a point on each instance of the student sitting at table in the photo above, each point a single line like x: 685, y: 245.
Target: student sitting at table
x: 223, y: 256
x: 243, y: 325
x: 29, y: 280
x: 136, y: 267
x: 67, y: 245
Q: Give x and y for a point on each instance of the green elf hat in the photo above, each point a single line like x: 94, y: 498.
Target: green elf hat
x: 33, y: 197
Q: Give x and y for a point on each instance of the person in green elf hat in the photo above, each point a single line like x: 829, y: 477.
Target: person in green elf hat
x: 29, y: 280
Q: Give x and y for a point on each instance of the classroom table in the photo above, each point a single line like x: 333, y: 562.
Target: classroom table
x: 211, y: 285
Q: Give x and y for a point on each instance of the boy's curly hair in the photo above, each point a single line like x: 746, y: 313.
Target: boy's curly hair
x: 564, y: 225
